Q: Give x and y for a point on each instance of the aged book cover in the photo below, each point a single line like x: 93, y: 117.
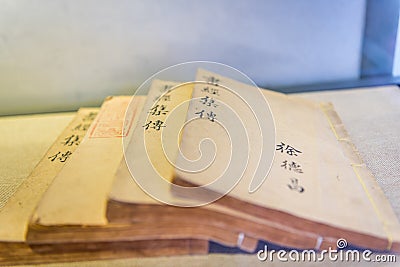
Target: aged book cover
x: 71, y: 216
x: 16, y: 214
x: 317, y: 182
x: 129, y: 203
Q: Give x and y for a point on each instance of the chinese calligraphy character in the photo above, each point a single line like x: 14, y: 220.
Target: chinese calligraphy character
x: 82, y: 127
x: 158, y: 110
x: 213, y: 91
x: 210, y: 115
x: 289, y: 149
x: 291, y: 166
x: 71, y: 140
x: 156, y: 125
x: 89, y: 117
x: 208, y: 101
x: 63, y: 157
x: 165, y: 88
x: 294, y: 185
x: 212, y: 80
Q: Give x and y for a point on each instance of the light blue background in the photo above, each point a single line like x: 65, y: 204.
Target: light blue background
x: 60, y: 55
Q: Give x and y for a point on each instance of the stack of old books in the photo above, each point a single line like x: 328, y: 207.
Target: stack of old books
x: 119, y: 180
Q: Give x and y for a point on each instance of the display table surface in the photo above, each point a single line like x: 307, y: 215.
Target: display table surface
x: 371, y: 116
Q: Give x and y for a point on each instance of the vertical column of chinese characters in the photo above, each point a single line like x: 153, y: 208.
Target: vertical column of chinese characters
x: 291, y: 164
x: 209, y: 92
x: 157, y: 113
x: 73, y: 139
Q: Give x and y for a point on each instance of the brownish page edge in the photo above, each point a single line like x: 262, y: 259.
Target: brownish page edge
x: 243, y: 228
x: 20, y: 253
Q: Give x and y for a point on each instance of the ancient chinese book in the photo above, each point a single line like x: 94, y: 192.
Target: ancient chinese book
x: 307, y: 199
x: 16, y: 214
x: 130, y: 204
x: 71, y: 216
x: 59, y: 243
x: 317, y: 183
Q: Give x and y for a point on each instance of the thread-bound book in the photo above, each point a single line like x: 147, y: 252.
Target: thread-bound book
x: 215, y: 160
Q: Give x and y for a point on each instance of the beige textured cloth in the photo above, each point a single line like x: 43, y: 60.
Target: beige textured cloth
x: 371, y: 117
x: 23, y: 142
